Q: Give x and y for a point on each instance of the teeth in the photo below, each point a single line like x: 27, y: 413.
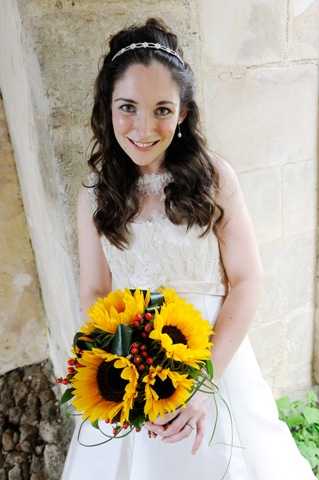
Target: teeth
x: 143, y: 145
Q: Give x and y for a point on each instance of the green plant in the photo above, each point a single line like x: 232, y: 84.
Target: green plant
x: 302, y: 418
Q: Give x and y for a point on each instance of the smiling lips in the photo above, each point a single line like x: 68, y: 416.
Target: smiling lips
x: 143, y: 146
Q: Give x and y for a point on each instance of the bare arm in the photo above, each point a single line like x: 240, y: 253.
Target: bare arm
x: 95, y: 274
x: 243, y: 267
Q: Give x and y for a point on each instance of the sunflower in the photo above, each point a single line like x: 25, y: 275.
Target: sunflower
x: 165, y: 391
x: 118, y: 307
x: 106, y: 387
x: 170, y: 294
x: 183, y: 333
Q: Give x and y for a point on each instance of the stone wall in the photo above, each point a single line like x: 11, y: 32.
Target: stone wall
x: 34, y: 430
x: 22, y: 319
x: 260, y: 77
x: 256, y: 67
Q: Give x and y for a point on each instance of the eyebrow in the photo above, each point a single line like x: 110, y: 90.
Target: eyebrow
x: 162, y: 102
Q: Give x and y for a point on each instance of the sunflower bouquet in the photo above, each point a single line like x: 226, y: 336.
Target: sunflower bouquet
x: 140, y: 355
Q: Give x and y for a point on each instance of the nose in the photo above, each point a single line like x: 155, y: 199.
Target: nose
x: 145, y: 125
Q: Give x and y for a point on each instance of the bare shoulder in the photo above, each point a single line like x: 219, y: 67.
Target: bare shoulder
x: 228, y: 180
x: 229, y: 195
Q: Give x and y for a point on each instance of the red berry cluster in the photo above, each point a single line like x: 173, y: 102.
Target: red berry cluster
x: 73, y: 364
x: 143, y: 323
x: 140, y: 355
x: 117, y: 428
x: 65, y: 381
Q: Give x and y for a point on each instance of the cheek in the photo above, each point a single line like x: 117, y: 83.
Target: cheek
x: 120, y: 123
x: 167, y: 129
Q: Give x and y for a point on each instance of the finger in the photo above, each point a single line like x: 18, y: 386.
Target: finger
x: 165, y: 419
x: 153, y: 427
x: 185, y: 432
x: 177, y: 425
x: 199, y: 434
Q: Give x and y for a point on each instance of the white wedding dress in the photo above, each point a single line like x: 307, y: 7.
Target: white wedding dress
x: 162, y: 253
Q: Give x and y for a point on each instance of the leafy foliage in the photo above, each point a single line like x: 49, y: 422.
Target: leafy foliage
x: 302, y: 418
x: 67, y: 395
x: 121, y: 342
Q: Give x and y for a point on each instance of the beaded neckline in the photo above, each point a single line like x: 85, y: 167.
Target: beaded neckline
x: 153, y: 183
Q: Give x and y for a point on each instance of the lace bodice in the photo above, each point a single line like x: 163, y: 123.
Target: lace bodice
x: 162, y: 253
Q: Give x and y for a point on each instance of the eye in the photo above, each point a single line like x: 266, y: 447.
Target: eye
x: 167, y: 111
x: 126, y: 108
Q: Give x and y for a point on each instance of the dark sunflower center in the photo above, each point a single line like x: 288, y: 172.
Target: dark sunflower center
x: 164, y: 389
x: 176, y: 335
x: 110, y: 383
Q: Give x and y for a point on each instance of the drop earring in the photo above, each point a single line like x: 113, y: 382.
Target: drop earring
x: 179, y: 134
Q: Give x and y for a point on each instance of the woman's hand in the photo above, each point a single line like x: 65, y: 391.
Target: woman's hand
x: 160, y: 425
x: 180, y: 424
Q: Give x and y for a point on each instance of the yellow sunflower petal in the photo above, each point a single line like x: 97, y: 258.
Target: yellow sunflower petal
x: 88, y: 398
x: 192, y: 344
x: 156, y: 406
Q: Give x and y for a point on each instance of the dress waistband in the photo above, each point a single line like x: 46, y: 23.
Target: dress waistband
x: 198, y: 287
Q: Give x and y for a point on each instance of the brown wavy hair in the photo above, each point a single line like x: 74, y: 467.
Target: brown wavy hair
x: 190, y: 196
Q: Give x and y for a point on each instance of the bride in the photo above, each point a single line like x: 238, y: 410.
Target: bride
x: 163, y: 210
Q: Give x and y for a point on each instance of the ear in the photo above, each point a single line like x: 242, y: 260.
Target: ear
x: 182, y: 115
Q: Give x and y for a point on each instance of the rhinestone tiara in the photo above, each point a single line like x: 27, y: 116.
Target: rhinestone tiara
x: 156, y: 46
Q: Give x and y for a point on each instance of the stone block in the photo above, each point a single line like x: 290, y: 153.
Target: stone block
x: 289, y: 266
x: 246, y: 32
x: 297, y: 272
x: 303, y: 30
x: 300, y: 331
x: 295, y: 377
x: 299, y: 192
x: 264, y: 202
x: 267, y: 342
x: 263, y: 117
x: 284, y: 350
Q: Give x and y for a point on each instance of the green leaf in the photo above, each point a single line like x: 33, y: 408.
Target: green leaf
x: 193, y: 372
x: 76, y: 337
x: 283, y: 403
x: 122, y: 340
x: 156, y: 298
x: 298, y: 404
x: 294, y: 420
x: 311, y: 453
x: 105, y: 342
x: 138, y: 421
x: 312, y: 397
x: 311, y: 414
x: 95, y: 424
x: 102, y: 339
x: 85, y: 345
x: 67, y: 395
x: 209, y: 368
